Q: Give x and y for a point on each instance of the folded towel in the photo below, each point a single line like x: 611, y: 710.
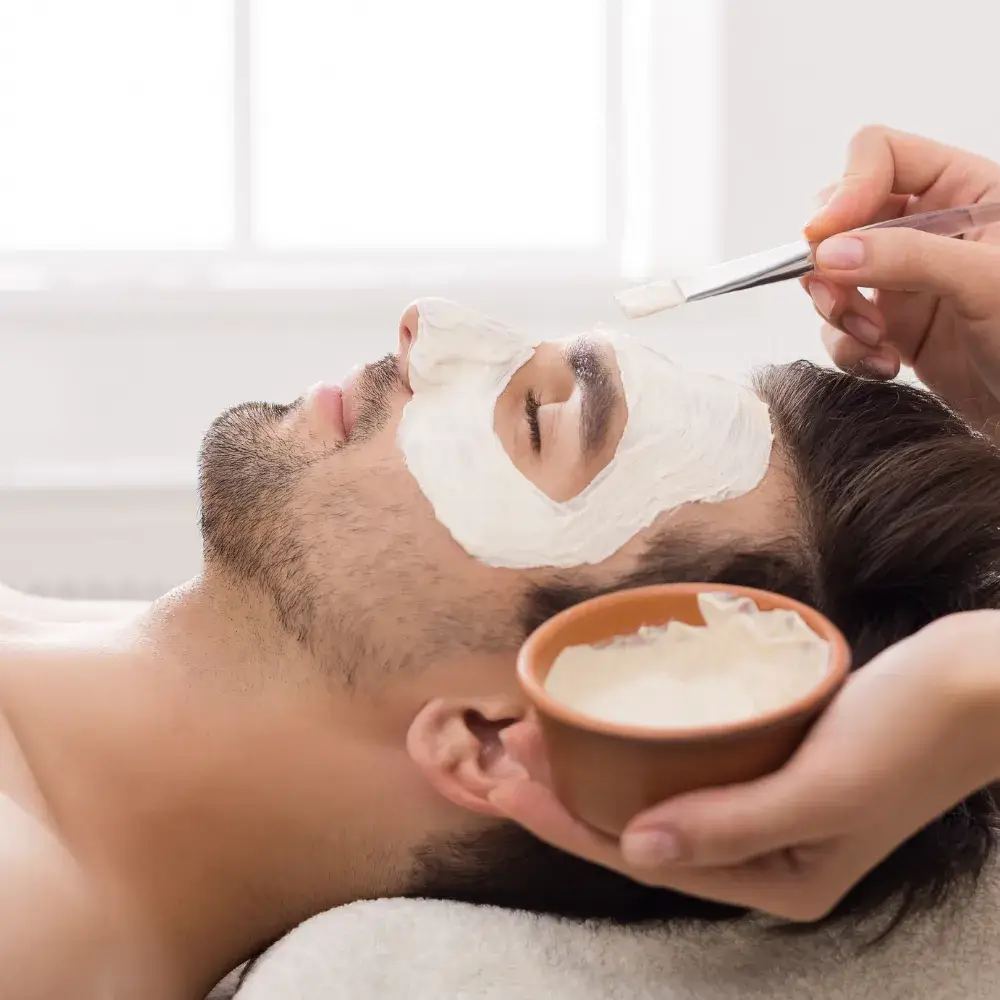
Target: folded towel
x: 396, y: 949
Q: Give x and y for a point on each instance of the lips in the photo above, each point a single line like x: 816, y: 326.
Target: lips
x: 328, y: 402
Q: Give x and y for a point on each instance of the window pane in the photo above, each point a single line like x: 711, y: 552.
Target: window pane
x: 115, y: 123
x: 431, y: 124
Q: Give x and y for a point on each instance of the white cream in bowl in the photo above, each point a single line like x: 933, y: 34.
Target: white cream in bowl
x: 741, y: 664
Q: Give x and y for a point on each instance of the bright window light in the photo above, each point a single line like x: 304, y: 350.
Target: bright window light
x: 115, y: 124
x: 254, y: 129
x: 439, y: 124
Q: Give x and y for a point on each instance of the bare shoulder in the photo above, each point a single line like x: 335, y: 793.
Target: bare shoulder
x: 12, y: 621
x: 54, y: 937
x: 60, y: 933
x: 31, y: 609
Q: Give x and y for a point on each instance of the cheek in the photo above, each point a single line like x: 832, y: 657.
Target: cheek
x: 389, y: 573
x: 362, y: 512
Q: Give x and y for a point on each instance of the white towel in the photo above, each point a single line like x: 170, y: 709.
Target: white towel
x: 397, y: 949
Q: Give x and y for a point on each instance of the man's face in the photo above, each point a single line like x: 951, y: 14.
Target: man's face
x: 315, y: 501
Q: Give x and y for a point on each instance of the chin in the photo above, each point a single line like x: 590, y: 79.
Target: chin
x: 247, y: 474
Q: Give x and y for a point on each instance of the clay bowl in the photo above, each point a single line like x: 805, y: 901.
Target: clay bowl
x: 604, y: 772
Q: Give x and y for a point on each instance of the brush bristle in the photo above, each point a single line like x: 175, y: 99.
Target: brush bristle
x: 652, y: 298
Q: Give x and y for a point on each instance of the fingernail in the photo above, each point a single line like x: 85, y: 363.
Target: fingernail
x: 823, y: 297
x: 650, y: 848
x: 840, y: 253
x: 877, y: 368
x: 861, y: 327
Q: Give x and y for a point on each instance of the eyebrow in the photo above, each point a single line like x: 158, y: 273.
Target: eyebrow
x: 600, y: 395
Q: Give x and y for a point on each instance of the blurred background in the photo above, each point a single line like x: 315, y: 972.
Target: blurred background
x: 206, y: 201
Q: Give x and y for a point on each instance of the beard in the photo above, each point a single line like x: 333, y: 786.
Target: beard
x: 249, y: 477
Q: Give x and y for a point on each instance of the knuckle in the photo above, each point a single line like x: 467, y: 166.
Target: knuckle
x: 915, y: 253
x: 872, y: 130
x: 867, y: 139
x: 897, y: 252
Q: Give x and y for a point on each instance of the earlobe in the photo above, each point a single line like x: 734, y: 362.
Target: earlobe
x: 458, y: 747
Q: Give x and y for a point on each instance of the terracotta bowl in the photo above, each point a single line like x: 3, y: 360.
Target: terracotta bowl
x: 605, y: 772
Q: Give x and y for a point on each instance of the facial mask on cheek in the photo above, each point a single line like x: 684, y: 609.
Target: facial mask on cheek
x: 688, y: 438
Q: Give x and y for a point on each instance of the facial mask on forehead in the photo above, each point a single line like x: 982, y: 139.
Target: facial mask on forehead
x: 689, y: 438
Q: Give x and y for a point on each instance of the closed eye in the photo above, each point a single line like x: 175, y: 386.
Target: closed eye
x: 531, y: 406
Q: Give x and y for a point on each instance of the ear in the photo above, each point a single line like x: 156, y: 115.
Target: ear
x: 459, y: 747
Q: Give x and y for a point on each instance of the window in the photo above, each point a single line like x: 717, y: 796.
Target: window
x: 233, y: 136
x: 204, y: 201
x: 442, y: 124
x: 114, y: 125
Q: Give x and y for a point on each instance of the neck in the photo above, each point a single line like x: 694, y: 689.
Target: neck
x: 211, y: 772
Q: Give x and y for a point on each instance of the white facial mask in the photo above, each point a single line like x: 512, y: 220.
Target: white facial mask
x: 689, y: 438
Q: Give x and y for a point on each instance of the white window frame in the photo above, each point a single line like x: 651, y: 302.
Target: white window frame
x: 661, y: 54
x: 102, y: 530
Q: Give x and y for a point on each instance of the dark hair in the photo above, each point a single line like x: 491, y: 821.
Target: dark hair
x: 899, y: 507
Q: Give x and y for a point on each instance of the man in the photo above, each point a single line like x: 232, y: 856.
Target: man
x: 324, y: 713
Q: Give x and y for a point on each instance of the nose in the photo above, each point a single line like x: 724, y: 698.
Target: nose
x: 408, y: 323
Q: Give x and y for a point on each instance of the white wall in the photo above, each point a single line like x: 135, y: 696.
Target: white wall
x: 801, y: 77
x: 797, y: 79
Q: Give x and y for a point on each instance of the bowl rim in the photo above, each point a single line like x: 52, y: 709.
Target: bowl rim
x: 837, y: 669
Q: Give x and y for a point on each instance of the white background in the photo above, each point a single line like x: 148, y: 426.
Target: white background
x: 106, y: 391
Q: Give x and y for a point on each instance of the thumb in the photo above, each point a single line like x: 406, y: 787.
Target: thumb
x: 908, y: 260
x: 732, y: 825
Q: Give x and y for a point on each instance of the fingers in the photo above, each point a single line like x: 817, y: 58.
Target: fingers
x: 893, y: 207
x: 848, y: 309
x: 721, y: 826
x: 523, y: 742
x: 880, y: 163
x: 778, y: 883
x: 802, y: 883
x: 771, y: 884
x: 861, y: 345
x: 535, y: 807
x: 850, y: 355
x: 908, y: 319
x: 733, y: 825
x: 908, y: 260
x: 887, y: 174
